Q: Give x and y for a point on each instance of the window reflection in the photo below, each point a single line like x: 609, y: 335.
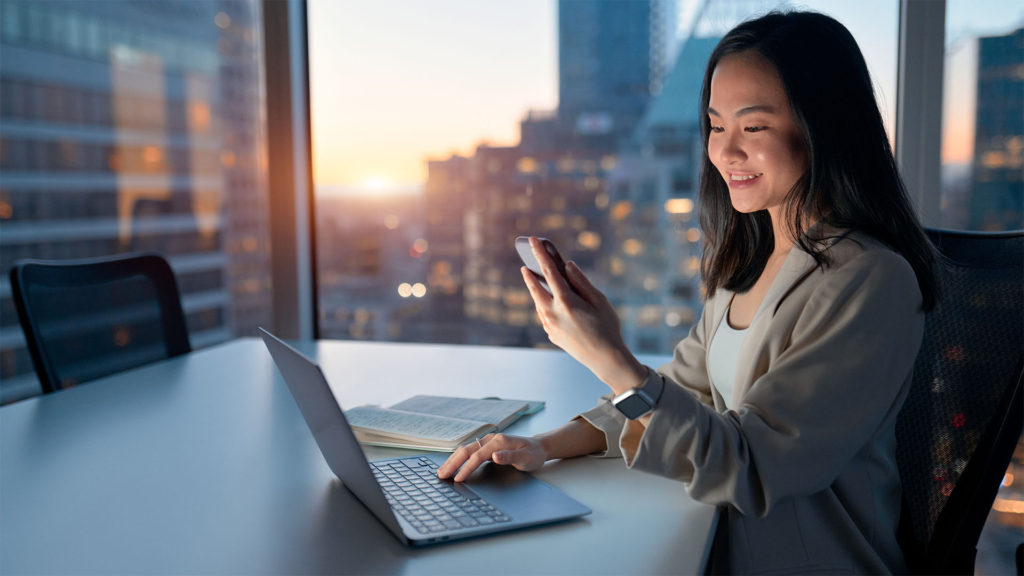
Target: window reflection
x: 131, y: 126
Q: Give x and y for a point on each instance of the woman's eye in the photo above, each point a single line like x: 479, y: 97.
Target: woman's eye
x: 717, y: 129
x: 754, y: 128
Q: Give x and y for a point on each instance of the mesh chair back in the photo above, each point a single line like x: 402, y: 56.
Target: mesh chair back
x: 962, y: 418
x: 84, y: 319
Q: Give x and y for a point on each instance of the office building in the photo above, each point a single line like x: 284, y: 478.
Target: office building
x: 611, y: 59
x: 553, y: 181
x: 654, y: 235
x: 372, y: 267
x: 133, y: 126
x: 997, y: 180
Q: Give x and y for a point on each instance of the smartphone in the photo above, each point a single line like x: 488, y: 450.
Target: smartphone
x: 526, y: 255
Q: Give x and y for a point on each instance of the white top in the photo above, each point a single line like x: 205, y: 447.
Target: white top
x: 723, y: 357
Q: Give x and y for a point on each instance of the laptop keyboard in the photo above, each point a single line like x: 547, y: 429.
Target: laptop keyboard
x: 430, y: 504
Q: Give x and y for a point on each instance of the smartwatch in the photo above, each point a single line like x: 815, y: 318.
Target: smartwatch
x: 636, y: 402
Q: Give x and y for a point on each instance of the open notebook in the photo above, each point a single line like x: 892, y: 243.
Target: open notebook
x: 441, y: 423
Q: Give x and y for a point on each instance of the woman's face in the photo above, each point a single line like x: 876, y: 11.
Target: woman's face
x: 754, y: 141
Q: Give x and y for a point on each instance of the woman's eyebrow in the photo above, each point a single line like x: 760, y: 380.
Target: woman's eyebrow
x: 747, y: 110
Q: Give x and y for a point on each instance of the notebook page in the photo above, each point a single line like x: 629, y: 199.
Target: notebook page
x: 490, y: 410
x: 412, y: 425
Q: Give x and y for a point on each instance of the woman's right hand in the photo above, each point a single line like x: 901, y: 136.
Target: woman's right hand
x: 526, y: 454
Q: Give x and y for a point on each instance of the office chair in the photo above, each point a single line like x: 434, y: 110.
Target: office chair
x: 964, y: 413
x: 84, y: 319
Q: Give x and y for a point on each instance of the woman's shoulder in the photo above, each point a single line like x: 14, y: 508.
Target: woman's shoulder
x: 856, y: 259
x: 854, y: 250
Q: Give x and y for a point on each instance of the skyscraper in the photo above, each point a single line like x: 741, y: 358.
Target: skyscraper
x: 132, y: 126
x: 997, y: 191
x: 553, y: 183
x: 610, y: 60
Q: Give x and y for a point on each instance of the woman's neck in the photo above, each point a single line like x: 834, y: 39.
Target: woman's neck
x: 783, y: 236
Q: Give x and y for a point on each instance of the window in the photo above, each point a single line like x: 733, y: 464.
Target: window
x: 983, y: 117
x: 443, y: 131
x: 130, y: 126
x: 983, y: 170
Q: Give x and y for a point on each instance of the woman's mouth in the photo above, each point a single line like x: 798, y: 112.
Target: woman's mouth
x: 743, y: 177
x: 743, y: 180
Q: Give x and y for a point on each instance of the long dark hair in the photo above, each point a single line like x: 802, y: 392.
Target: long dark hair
x: 851, y: 180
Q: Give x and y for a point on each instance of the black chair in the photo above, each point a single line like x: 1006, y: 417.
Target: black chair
x: 964, y: 414
x: 84, y: 319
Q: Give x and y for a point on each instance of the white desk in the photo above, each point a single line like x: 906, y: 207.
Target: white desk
x: 203, y: 465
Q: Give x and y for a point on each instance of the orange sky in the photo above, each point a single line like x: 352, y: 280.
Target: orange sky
x: 394, y: 82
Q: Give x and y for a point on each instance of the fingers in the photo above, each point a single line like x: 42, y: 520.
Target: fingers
x: 466, y: 459
x: 540, y: 295
x: 554, y: 277
x: 582, y: 284
x: 482, y: 451
x: 520, y: 459
x: 458, y: 459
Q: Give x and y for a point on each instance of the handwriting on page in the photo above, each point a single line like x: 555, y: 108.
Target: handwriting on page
x: 410, y: 423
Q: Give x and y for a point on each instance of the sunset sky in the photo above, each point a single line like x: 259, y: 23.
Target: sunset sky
x: 395, y: 82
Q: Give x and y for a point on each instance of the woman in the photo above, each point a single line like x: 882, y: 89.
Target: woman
x: 780, y: 405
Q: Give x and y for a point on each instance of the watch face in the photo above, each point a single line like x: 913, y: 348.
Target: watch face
x: 633, y: 406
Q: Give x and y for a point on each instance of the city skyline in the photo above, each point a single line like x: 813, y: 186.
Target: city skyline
x: 475, y: 78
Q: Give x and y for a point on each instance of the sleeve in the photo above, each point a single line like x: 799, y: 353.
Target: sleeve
x: 824, y: 396
x: 687, y: 367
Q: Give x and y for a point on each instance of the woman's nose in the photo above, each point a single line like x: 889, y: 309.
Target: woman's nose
x: 731, y: 150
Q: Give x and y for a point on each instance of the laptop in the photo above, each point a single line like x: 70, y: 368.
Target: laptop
x: 405, y: 493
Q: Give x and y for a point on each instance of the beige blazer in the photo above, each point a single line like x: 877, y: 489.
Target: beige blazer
x: 804, y: 470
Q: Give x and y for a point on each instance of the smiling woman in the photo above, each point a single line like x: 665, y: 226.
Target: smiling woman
x: 777, y: 417
x: 754, y: 142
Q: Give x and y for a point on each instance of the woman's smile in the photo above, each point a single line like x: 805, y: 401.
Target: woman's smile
x: 753, y: 139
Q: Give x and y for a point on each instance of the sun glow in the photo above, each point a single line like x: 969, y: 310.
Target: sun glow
x: 376, y: 184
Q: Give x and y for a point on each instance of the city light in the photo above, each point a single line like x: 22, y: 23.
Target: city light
x: 418, y: 248
x: 527, y: 165
x: 589, y: 240
x: 1008, y: 506
x: 679, y: 206
x: 417, y: 290
x: 632, y: 246
x: 622, y: 210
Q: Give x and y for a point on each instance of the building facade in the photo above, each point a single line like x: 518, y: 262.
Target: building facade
x: 131, y: 126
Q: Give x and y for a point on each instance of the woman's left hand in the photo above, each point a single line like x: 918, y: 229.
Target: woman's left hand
x: 579, y: 319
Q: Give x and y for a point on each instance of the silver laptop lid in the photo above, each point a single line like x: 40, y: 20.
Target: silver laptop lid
x: 326, y: 420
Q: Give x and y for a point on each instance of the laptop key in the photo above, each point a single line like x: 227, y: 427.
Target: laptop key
x: 466, y: 521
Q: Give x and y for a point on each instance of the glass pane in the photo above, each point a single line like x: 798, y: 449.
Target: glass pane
x: 983, y: 116
x: 442, y: 131
x: 135, y: 126
x: 983, y: 183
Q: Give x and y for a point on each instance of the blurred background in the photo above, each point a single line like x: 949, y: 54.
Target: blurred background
x: 440, y: 131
